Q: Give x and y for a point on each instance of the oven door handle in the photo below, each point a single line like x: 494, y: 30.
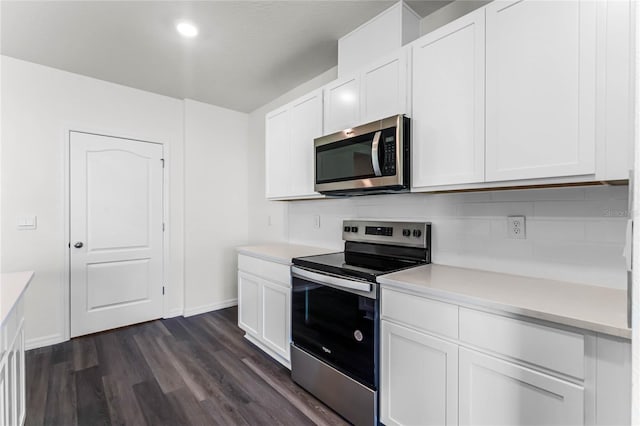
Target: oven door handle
x: 330, y: 280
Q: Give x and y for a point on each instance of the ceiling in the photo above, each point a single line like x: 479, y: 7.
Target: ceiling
x: 247, y: 52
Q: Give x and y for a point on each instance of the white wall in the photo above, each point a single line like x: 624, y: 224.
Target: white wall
x: 38, y: 104
x: 268, y: 219
x: 573, y: 234
x: 216, y: 204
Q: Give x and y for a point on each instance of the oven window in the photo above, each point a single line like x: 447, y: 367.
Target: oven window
x: 345, y: 160
x: 336, y: 326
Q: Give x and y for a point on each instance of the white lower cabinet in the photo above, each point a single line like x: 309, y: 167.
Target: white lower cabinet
x: 264, y: 306
x: 497, y: 392
x: 444, y: 364
x: 419, y: 376
x: 12, y: 371
x: 276, y: 317
x: 249, y: 305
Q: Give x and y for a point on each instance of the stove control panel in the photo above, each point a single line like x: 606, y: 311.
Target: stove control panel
x: 409, y: 234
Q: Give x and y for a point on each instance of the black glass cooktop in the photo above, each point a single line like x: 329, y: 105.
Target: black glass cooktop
x: 359, y: 265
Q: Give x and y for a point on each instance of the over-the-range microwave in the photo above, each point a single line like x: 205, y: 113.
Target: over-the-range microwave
x: 373, y: 158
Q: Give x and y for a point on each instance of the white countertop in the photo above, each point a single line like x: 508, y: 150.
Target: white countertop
x: 599, y: 309
x: 282, y: 253
x: 12, y: 286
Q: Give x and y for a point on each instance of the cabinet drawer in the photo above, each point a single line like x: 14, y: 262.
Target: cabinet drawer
x: 551, y: 348
x: 419, y: 312
x: 264, y: 269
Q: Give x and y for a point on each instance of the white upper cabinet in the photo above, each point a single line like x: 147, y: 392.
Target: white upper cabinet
x: 277, y: 153
x: 383, y: 88
x: 290, y: 131
x: 377, y: 91
x: 380, y: 36
x: 541, y: 88
x: 448, y: 104
x: 342, y: 104
x: 305, y: 120
x: 524, y: 93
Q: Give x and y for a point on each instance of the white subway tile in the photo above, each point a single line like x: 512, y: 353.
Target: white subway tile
x: 539, y: 194
x: 605, y: 192
x: 495, y: 209
x: 607, y: 231
x: 593, y: 208
x: 572, y: 229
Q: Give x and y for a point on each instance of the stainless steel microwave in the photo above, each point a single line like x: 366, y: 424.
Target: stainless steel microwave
x: 372, y: 158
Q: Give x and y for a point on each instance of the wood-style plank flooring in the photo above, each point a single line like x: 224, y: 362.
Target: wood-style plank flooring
x: 180, y: 371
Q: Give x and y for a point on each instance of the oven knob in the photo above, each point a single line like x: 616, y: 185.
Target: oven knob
x: 358, y: 335
x: 417, y: 233
x: 354, y: 229
x: 406, y: 232
x: 347, y: 228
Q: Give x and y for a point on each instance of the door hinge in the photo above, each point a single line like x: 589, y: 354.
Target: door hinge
x: 162, y: 226
x: 69, y: 245
x: 163, y: 290
x: 162, y: 159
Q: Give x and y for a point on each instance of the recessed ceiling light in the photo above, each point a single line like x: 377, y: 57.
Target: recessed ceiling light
x: 187, y: 29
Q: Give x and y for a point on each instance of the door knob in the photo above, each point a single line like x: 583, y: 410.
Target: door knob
x: 78, y: 244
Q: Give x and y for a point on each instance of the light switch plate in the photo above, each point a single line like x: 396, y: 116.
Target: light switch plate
x: 27, y: 223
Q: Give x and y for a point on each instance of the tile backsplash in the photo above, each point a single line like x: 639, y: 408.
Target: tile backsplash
x: 572, y: 234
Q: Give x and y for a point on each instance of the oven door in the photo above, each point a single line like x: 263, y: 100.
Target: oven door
x: 336, y: 320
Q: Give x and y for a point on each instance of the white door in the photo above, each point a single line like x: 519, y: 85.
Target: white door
x: 448, y: 104
x: 276, y: 314
x: 277, y: 154
x: 305, y: 122
x: 418, y: 378
x: 541, y: 88
x: 249, y: 305
x: 384, y: 88
x: 497, y: 392
x: 116, y: 231
x: 342, y: 105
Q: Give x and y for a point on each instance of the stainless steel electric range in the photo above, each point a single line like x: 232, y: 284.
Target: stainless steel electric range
x: 335, y: 313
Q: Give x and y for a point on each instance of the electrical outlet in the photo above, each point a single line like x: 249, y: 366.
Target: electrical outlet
x: 316, y: 221
x: 516, y: 228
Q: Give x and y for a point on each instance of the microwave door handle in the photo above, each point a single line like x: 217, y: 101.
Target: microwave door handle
x: 375, y: 162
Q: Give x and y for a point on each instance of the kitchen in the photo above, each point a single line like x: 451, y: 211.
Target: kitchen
x: 573, y: 233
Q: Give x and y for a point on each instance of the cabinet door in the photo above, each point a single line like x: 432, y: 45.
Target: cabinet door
x: 277, y: 130
x: 448, y: 104
x: 418, y: 379
x: 496, y: 392
x: 341, y: 104
x: 305, y: 118
x: 249, y: 304
x: 4, y: 392
x: 276, y: 317
x: 20, y: 378
x: 383, y: 88
x: 541, y: 86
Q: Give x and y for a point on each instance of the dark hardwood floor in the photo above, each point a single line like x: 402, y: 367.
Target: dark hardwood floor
x: 179, y: 371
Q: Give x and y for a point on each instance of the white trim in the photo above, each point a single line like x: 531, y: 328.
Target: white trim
x: 268, y: 351
x: 66, y: 276
x: 210, y: 307
x: 173, y: 313
x: 39, y: 342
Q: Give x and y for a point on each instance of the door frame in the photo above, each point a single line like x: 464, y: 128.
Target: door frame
x: 66, y: 279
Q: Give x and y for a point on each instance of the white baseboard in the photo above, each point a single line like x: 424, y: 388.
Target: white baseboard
x: 211, y: 307
x: 40, y: 342
x: 268, y: 351
x: 173, y: 313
